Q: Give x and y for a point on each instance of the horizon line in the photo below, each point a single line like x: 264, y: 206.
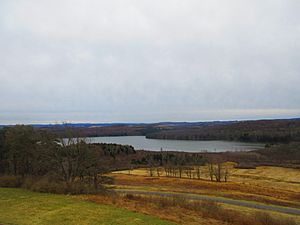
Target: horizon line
x: 146, y: 123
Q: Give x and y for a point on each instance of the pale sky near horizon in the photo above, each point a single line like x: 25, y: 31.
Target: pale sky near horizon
x: 148, y: 61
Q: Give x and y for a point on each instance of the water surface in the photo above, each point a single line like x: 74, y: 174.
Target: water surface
x: 140, y: 142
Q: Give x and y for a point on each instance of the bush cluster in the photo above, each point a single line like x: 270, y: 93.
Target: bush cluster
x: 209, y: 209
x: 48, y: 184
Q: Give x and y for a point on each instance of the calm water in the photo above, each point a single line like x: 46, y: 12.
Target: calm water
x: 140, y: 142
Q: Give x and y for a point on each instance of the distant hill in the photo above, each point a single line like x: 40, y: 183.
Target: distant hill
x: 127, y: 124
x: 270, y: 131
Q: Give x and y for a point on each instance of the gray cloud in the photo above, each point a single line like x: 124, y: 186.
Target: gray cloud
x: 126, y: 60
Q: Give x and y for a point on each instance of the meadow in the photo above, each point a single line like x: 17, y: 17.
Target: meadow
x: 264, y: 185
x: 267, y: 184
x: 19, y: 206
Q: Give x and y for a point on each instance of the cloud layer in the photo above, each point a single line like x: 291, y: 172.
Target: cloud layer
x: 143, y: 61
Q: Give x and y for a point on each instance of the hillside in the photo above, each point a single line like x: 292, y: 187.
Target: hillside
x: 18, y: 206
x: 267, y: 131
x: 247, y: 131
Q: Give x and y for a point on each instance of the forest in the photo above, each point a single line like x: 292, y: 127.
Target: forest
x: 264, y: 131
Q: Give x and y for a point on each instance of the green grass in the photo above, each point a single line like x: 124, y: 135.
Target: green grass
x: 18, y: 206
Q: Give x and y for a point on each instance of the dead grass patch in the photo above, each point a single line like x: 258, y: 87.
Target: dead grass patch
x: 237, y: 190
x: 183, y: 211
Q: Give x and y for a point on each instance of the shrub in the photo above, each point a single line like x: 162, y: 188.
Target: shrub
x: 266, y: 219
x: 106, y: 180
x: 245, y: 166
x: 164, y: 202
x: 213, y: 210
x: 130, y: 196
x: 50, y: 184
x: 28, y: 182
x: 46, y: 185
x: 209, y: 209
x: 180, y: 201
x: 10, y: 181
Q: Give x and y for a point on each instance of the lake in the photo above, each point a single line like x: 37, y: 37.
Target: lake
x: 140, y: 142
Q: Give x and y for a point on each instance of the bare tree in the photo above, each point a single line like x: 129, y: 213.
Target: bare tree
x: 226, y: 174
x: 158, y: 171
x: 211, y: 171
x: 150, y: 171
x: 217, y: 172
x: 198, y: 172
x: 188, y: 172
x: 180, y: 171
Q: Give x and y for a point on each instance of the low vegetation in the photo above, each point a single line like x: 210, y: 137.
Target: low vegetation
x: 18, y: 206
x: 273, y: 185
x: 183, y: 211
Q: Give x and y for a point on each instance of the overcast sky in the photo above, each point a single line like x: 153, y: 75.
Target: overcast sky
x: 147, y: 61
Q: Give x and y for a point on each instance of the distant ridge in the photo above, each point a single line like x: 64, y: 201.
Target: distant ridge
x: 127, y: 124
x: 168, y: 123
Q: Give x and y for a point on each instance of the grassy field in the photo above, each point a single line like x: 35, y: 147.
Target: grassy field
x: 274, y: 185
x: 189, y: 212
x: 18, y: 206
x: 158, y: 207
x: 270, y: 185
x: 283, y: 178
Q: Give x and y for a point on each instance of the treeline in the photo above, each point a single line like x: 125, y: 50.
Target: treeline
x: 184, y: 165
x: 97, y: 131
x: 163, y: 158
x: 216, y: 172
x: 69, y: 162
x: 267, y: 131
x: 288, y: 154
x: 181, y: 164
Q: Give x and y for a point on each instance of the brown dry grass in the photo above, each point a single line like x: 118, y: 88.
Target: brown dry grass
x: 160, y: 209
x: 229, y: 189
x: 272, y: 185
x: 188, y: 212
x: 266, y: 176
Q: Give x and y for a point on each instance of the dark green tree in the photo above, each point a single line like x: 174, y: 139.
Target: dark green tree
x: 20, y: 142
x: 3, y: 153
